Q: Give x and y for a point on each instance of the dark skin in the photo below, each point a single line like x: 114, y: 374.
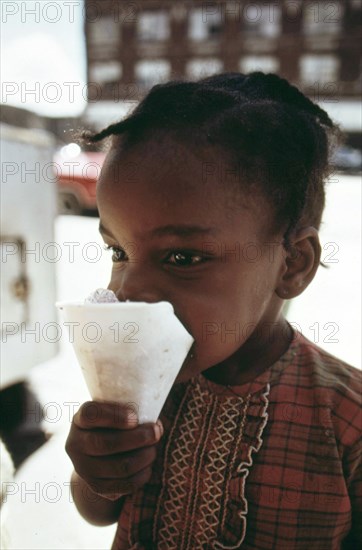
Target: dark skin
x: 171, y: 231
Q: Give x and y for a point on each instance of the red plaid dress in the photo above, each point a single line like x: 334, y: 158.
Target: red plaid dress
x: 277, y: 466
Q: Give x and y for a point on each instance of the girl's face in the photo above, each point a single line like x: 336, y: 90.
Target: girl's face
x: 178, y: 233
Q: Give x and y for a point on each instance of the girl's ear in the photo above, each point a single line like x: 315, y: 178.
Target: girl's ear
x: 301, y: 263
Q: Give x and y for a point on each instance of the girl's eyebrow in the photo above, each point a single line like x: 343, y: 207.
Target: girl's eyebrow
x: 104, y: 231
x: 183, y: 230
x: 178, y: 230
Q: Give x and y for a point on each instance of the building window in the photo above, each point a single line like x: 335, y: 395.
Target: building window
x: 200, y: 68
x: 322, y: 18
x: 153, y: 26
x: 204, y: 25
x: 265, y: 63
x: 149, y: 73
x: 104, y: 35
x: 318, y: 68
x: 262, y: 19
x: 109, y: 71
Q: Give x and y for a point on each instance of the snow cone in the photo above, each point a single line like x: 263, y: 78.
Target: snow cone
x: 129, y: 352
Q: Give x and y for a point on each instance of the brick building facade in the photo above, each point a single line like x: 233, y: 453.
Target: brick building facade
x: 134, y: 45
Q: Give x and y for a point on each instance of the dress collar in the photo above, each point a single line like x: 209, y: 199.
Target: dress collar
x: 269, y: 376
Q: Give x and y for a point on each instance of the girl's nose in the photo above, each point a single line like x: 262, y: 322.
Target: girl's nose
x: 138, y: 287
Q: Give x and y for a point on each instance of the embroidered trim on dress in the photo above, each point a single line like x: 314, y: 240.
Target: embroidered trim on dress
x: 207, y: 449
x: 243, y: 471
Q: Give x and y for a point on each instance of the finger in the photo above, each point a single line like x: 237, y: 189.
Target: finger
x: 104, y: 442
x: 116, y: 488
x: 100, y: 442
x: 118, y: 466
x: 93, y: 414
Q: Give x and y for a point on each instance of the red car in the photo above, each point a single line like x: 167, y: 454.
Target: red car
x: 77, y: 177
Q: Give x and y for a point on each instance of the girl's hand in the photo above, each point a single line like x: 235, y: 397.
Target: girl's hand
x: 110, y: 451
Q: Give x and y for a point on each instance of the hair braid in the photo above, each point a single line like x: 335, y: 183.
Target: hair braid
x: 280, y: 138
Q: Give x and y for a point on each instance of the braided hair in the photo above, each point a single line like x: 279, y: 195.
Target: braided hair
x: 279, y: 137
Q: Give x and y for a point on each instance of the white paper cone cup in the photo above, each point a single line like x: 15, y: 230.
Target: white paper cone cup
x: 129, y: 352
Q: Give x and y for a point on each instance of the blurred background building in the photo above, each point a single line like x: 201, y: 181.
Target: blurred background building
x: 315, y: 45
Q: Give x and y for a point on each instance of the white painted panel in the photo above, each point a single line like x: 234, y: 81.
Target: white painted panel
x: 28, y: 210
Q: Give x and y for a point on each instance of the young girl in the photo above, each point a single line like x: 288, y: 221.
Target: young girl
x: 210, y: 198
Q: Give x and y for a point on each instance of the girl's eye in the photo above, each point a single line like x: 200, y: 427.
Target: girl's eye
x: 179, y: 259
x: 118, y: 254
x: 184, y: 259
